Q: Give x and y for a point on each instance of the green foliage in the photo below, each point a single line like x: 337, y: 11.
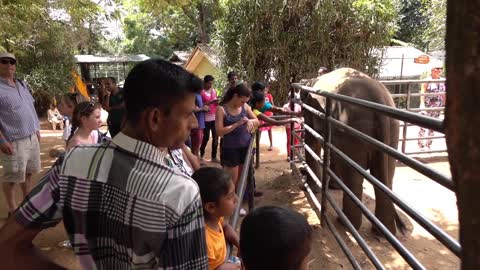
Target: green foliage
x: 43, y: 44
x: 183, y: 23
x: 281, y: 40
x: 412, y: 22
x: 437, y: 20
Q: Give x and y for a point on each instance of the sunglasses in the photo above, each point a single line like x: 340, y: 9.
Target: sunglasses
x: 8, y: 61
x: 86, y: 108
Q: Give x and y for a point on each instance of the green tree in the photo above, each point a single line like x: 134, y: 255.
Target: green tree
x: 281, y: 40
x: 184, y: 23
x: 435, y: 32
x: 44, y: 44
x: 412, y: 22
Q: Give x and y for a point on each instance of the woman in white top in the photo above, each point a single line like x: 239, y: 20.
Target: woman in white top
x: 54, y: 117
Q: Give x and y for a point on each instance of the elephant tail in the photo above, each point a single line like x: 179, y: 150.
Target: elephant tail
x: 400, y: 224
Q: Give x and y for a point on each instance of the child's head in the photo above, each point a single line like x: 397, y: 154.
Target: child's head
x: 217, y: 191
x: 275, y: 238
x: 258, y: 86
x: 257, y: 100
x: 68, y: 102
x: 86, y: 115
x: 208, y: 81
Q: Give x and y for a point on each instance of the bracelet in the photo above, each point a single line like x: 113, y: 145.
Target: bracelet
x: 2, y: 141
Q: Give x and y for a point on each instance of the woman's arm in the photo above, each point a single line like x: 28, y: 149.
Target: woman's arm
x: 221, y: 129
x: 190, y: 158
x: 253, y: 122
x: 423, y: 89
x: 282, y: 111
x: 275, y: 122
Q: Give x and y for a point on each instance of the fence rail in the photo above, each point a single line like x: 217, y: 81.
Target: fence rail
x: 328, y: 174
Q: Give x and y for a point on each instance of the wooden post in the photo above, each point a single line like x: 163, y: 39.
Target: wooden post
x: 462, y: 120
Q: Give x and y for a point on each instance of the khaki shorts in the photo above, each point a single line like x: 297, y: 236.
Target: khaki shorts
x: 25, y: 160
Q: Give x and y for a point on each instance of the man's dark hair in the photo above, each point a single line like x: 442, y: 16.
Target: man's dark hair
x: 113, y: 79
x: 212, y: 182
x: 208, y: 78
x: 258, y: 86
x: 231, y: 74
x: 156, y: 82
x: 272, y: 237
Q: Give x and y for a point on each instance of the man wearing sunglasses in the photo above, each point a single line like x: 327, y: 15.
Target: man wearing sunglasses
x: 19, y: 132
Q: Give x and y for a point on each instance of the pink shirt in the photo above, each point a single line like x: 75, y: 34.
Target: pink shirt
x: 74, y: 141
x: 297, y: 108
x: 210, y: 115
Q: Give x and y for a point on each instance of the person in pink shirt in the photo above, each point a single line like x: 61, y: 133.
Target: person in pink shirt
x: 209, y: 97
x: 297, y: 109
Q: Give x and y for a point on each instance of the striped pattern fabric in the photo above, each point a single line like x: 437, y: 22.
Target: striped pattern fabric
x: 18, y: 118
x: 122, y: 208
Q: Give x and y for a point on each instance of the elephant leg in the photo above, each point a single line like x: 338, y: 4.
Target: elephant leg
x: 354, y: 181
x: 383, y: 168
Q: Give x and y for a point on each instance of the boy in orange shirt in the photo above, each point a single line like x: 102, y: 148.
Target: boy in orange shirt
x: 219, y: 200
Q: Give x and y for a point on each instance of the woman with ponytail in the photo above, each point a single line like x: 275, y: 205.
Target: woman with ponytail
x: 235, y: 122
x: 85, y: 122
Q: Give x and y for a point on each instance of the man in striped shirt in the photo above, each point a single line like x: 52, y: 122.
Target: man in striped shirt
x: 19, y: 132
x: 122, y: 207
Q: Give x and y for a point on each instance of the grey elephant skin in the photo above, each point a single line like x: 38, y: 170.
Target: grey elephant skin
x: 350, y: 82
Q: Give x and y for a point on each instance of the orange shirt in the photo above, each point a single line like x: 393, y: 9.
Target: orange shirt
x: 216, y: 246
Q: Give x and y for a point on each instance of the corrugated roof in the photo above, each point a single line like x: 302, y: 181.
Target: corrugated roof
x: 92, y: 59
x: 210, y: 53
x: 391, y: 64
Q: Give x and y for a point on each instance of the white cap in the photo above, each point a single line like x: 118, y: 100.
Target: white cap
x: 7, y: 55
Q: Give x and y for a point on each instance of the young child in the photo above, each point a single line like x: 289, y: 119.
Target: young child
x: 275, y: 238
x: 297, y: 109
x: 258, y: 101
x: 85, y: 120
x: 219, y: 201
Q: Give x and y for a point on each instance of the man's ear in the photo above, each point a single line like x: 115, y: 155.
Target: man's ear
x: 210, y: 207
x: 155, y: 119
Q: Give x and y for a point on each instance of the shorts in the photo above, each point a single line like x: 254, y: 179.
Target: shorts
x: 232, y: 157
x: 25, y: 160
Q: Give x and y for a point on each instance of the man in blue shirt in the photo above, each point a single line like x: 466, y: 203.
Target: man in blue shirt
x: 19, y: 132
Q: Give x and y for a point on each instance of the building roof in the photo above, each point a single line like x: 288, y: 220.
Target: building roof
x: 205, y: 51
x: 106, y: 59
x: 391, y: 64
x: 179, y: 57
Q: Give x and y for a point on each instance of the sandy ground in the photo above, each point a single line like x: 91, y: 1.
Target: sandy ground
x: 274, y: 178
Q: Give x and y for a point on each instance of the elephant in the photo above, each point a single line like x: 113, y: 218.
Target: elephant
x: 353, y: 83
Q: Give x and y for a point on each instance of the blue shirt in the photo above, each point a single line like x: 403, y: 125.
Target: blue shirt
x: 200, y: 115
x: 18, y: 118
x: 266, y: 107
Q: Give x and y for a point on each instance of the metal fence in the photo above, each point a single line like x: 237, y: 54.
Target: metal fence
x: 320, y: 207
x: 408, y: 99
x: 246, y: 185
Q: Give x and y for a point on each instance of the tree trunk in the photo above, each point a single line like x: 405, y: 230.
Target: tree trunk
x: 202, y: 27
x: 463, y: 120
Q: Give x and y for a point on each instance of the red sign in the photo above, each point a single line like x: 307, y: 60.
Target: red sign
x: 422, y: 59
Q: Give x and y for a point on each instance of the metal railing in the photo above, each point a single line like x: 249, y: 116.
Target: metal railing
x: 409, y: 95
x: 245, y: 184
x: 320, y: 207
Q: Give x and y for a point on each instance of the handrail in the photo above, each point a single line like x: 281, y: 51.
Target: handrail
x: 242, y: 184
x: 427, y: 122
x: 395, y: 82
x: 328, y: 146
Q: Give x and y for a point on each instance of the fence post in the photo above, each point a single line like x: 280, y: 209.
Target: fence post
x: 326, y: 159
x: 405, y: 125
x: 292, y: 126
x: 257, y: 153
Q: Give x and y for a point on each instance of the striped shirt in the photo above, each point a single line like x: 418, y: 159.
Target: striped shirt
x: 122, y: 208
x: 18, y: 118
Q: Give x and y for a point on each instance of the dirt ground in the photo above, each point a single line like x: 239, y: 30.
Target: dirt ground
x: 280, y: 188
